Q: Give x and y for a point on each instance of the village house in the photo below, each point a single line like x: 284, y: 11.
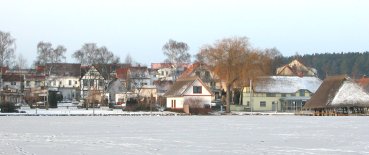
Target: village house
x: 12, y: 88
x: 339, y: 95
x: 278, y: 93
x: 167, y: 71
x: 296, y: 68
x: 92, y: 84
x: 207, y: 77
x: 288, y: 91
x: 64, y: 78
x: 117, y: 91
x: 188, y: 91
x: 140, y: 82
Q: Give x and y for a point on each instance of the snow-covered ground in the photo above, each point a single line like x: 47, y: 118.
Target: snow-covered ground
x: 74, y: 111
x: 45, y: 135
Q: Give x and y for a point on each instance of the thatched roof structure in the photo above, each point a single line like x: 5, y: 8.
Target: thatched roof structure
x: 338, y: 91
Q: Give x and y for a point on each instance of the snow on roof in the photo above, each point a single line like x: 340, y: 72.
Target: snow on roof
x: 350, y: 93
x: 286, y: 84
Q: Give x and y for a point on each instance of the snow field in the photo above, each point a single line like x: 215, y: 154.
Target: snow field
x: 44, y: 135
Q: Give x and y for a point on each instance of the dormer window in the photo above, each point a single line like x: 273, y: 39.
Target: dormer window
x: 197, y: 89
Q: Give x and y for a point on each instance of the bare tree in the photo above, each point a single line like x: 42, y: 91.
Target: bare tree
x: 7, y: 49
x: 99, y: 57
x: 104, y: 56
x: 91, y: 54
x: 49, y: 56
x: 21, y: 62
x: 87, y: 55
x: 128, y: 59
x: 235, y: 62
x: 177, y: 54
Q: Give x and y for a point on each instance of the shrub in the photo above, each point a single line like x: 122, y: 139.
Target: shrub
x: 8, y: 107
x: 197, y: 107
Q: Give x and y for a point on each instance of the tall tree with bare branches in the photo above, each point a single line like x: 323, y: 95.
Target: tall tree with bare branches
x: 7, y: 49
x: 177, y: 54
x: 235, y: 62
x: 47, y: 55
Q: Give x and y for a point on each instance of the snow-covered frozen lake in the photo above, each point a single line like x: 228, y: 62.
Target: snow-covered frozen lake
x: 45, y: 135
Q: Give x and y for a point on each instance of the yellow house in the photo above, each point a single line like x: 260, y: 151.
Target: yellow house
x: 278, y: 93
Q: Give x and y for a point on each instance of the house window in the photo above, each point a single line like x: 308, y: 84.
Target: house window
x: 37, y: 83
x: 283, y: 95
x: 262, y: 104
x: 101, y: 83
x: 91, y: 82
x: 70, y: 82
x: 54, y: 83
x: 85, y: 83
x: 13, y: 83
x: 75, y: 82
x: 197, y: 73
x: 197, y: 89
x: 27, y: 83
x: 270, y: 95
x: 173, y: 104
x: 162, y: 72
x: 60, y: 83
x: 302, y: 92
x: 207, y: 74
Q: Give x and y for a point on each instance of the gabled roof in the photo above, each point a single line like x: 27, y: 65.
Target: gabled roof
x: 190, y: 70
x: 338, y: 91
x: 296, y: 68
x: 105, y: 70
x: 156, y: 66
x: 161, y: 65
x: 12, y: 77
x: 122, y: 73
x: 181, y: 85
x: 286, y: 84
x: 65, y: 69
x: 3, y: 69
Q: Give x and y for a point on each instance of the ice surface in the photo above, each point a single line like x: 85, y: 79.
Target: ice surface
x: 43, y: 135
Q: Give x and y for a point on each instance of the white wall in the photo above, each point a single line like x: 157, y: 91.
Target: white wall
x: 55, y: 81
x: 189, y: 91
x: 179, y: 102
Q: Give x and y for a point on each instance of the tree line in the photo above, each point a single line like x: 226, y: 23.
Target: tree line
x: 354, y: 64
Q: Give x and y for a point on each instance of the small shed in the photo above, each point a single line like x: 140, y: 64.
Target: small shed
x: 339, y: 95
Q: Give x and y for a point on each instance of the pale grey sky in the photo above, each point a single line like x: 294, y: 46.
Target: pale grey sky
x: 141, y: 27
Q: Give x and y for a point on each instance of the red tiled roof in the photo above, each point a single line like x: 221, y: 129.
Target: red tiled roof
x: 121, y: 73
x: 160, y: 65
x: 12, y: 77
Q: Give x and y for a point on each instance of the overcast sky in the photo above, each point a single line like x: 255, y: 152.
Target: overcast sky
x: 141, y: 27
